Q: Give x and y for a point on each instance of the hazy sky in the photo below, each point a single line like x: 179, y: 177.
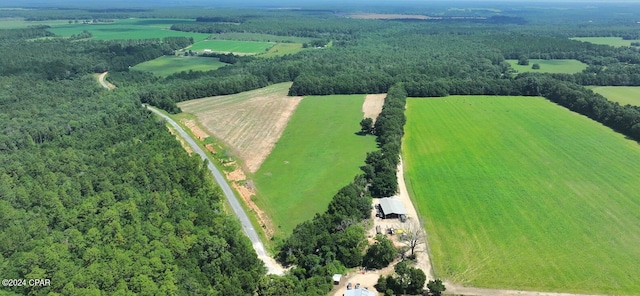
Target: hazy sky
x: 316, y: 3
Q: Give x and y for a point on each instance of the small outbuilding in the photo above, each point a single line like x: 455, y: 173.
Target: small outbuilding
x: 392, y: 208
x: 337, y: 278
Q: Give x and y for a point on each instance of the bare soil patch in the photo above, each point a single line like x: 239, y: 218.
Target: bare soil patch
x: 211, y: 148
x: 246, y: 190
x: 197, y: 132
x: 250, y: 123
x: 373, y: 105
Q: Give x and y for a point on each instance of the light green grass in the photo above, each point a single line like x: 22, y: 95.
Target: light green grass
x: 16, y: 23
x: 521, y: 193
x: 259, y: 37
x: 622, y: 94
x: 281, y: 49
x: 167, y: 65
x: 550, y: 66
x: 318, y: 154
x: 243, y: 47
x: 611, y: 41
x: 128, y: 29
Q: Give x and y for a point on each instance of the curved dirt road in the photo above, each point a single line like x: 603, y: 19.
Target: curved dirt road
x: 272, y: 266
x: 105, y: 84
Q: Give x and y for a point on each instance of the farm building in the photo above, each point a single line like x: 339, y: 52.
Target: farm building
x: 392, y: 208
x: 359, y: 292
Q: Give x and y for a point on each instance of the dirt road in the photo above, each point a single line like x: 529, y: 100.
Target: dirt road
x: 105, y: 84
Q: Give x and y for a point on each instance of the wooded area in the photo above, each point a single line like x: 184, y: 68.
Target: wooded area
x: 96, y: 195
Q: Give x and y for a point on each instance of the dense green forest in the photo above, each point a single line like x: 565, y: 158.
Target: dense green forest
x: 98, y: 197
x: 95, y: 194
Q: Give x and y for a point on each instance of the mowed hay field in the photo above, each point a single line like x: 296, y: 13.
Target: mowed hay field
x: 519, y: 193
x: 250, y: 122
x: 612, y: 41
x: 167, y: 65
x: 621, y: 94
x: 550, y: 66
x: 242, y: 47
x: 318, y: 154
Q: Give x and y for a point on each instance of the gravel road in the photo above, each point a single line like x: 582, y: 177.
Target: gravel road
x: 272, y: 266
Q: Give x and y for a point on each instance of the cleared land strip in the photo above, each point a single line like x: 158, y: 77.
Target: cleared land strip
x: 373, y: 105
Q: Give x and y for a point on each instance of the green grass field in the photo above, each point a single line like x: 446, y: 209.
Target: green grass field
x: 318, y: 154
x: 259, y: 37
x: 15, y: 23
x: 167, y: 65
x: 128, y: 29
x: 621, y: 94
x: 519, y: 193
x: 612, y: 41
x: 550, y: 66
x: 281, y: 49
x: 243, y: 47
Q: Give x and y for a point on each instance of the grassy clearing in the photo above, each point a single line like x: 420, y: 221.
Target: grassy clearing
x: 243, y: 47
x: 520, y: 193
x: 550, y: 66
x: 167, y: 65
x: 16, y: 23
x: 128, y: 29
x: 318, y: 154
x: 260, y: 37
x: 281, y: 49
x: 621, y: 94
x: 611, y: 41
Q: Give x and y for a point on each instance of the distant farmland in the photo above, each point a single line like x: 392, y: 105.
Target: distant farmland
x: 167, y: 65
x: 521, y: 193
x: 127, y: 29
x: 246, y: 47
x: 318, y: 154
x: 611, y: 41
x: 550, y: 66
x: 621, y: 94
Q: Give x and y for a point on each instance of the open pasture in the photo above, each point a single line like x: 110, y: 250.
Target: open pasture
x: 128, y: 29
x: 550, y: 66
x: 611, y: 41
x: 259, y: 37
x: 167, y: 65
x: 519, y: 193
x: 241, y: 47
x: 281, y: 49
x: 318, y: 153
x: 621, y: 94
